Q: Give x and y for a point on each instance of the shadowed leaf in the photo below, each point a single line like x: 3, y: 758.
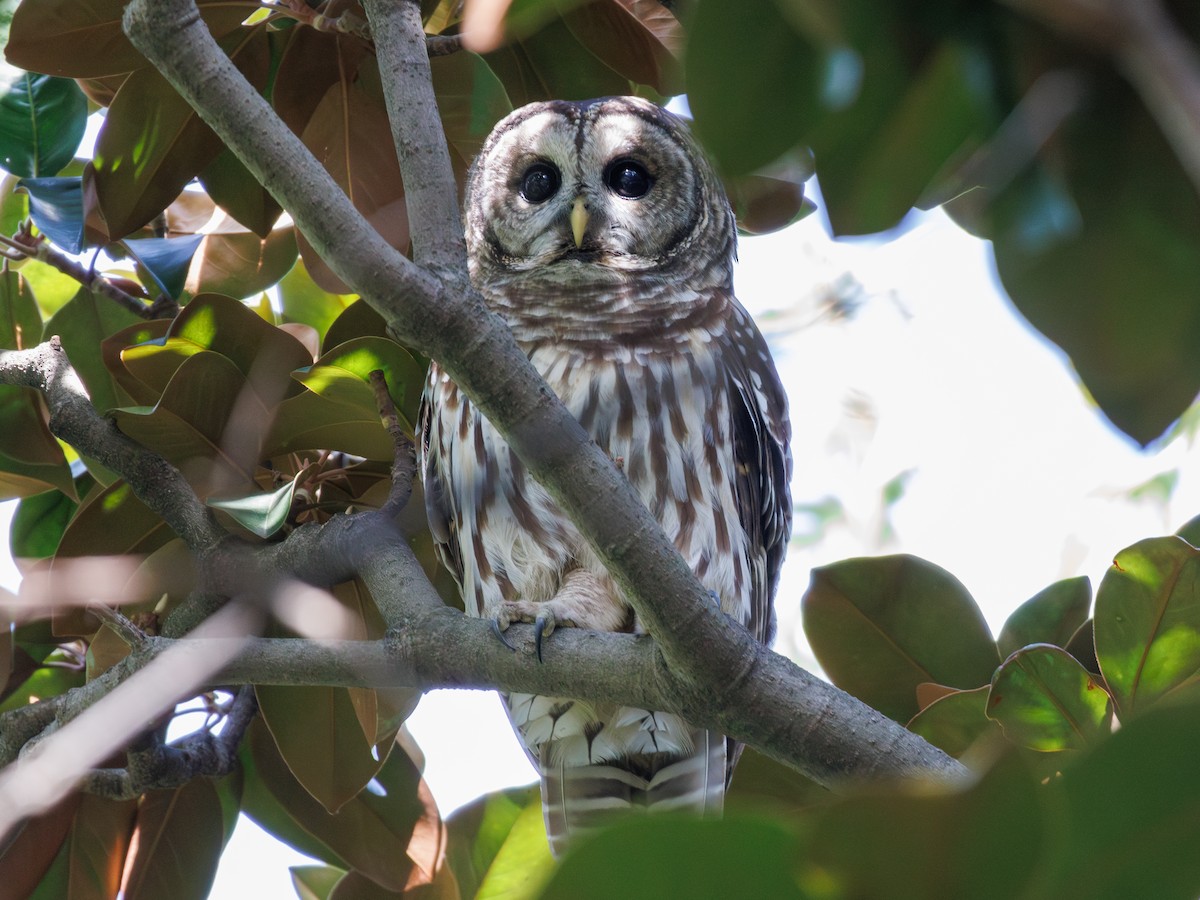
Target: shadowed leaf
x: 1049, y: 617
x: 180, y: 838
x: 956, y: 721
x: 881, y: 626
x: 56, y: 207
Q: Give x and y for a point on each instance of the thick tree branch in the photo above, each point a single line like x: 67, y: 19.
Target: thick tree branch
x: 700, y: 647
x: 1148, y: 46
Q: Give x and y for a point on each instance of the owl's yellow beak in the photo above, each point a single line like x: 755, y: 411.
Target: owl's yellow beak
x: 579, y: 220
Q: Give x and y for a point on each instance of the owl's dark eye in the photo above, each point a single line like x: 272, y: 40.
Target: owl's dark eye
x: 540, y: 182
x: 629, y: 179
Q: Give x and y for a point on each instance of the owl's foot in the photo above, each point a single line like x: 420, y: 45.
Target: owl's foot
x: 584, y: 600
x: 541, y: 615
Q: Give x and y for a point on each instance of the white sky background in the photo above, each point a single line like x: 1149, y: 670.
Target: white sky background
x: 1016, y: 482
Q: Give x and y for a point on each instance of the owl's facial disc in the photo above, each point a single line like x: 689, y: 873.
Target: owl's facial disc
x: 601, y: 192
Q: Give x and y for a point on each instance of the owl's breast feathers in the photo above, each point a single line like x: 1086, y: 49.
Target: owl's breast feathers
x: 690, y: 407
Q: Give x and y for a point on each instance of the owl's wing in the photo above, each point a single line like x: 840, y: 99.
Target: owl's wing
x: 763, y: 462
x: 439, y: 507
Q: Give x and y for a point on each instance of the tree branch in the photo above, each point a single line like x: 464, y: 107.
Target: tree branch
x: 430, y: 192
x: 156, y: 482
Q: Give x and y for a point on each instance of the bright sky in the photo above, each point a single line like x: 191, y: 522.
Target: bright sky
x: 1015, y: 481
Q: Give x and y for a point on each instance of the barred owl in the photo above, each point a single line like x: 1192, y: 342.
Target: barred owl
x: 602, y: 235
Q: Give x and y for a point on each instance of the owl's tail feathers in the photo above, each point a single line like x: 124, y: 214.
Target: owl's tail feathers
x: 579, y: 800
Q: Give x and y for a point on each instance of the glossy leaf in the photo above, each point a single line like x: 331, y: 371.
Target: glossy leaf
x: 551, y: 63
x: 877, y: 157
x: 29, y: 853
x: 358, y: 319
x: 955, y: 722
x: 372, y: 831
x: 1045, y: 700
x: 41, y: 124
x: 497, y: 844
x: 84, y: 39
x: 1073, y: 244
x: 260, y: 513
x: 83, y: 324
x: 166, y: 260
x: 317, y: 732
x: 235, y: 190
x: 984, y: 842
x: 315, y: 882
x: 264, y: 354
x: 303, y: 301
x: 180, y: 838
x: 153, y: 143
x: 349, y: 134
x: 100, y: 837
x: 1148, y: 622
x: 343, y: 375
x: 641, y: 40
x: 693, y: 858
x: 56, y: 207
x: 471, y: 99
x: 752, y: 82
x: 212, y: 447
x: 112, y: 347
x: 31, y: 460
x: 311, y: 422
x: 881, y: 626
x: 20, y: 319
x: 241, y: 264
x: 1051, y: 616
x: 1132, y: 810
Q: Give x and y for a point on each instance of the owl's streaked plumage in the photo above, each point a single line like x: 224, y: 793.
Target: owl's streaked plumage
x: 603, y: 236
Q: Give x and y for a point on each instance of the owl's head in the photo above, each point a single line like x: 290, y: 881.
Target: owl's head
x: 596, y: 192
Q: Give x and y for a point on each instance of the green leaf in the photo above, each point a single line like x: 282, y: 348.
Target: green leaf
x: 760, y: 784
x: 315, y: 882
x: 752, y: 82
x: 343, y: 375
x: 876, y: 158
x: 984, y: 842
x: 39, y: 523
x: 1148, y: 622
x: 497, y: 844
x: 733, y: 857
x: 153, y: 143
x: 42, y: 119
x: 56, y: 207
x: 1132, y: 811
x: 20, y: 319
x: 83, y: 324
x: 881, y: 626
x: 303, y: 301
x: 166, y: 260
x: 181, y: 834
x: 359, y: 319
x: 311, y: 422
x: 1051, y: 616
x: 1045, y: 700
x: 1074, y: 244
x: 230, y: 184
x: 956, y: 721
x: 260, y: 513
x: 194, y: 425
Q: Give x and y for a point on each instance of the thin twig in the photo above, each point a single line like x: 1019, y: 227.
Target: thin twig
x: 404, y: 460
x: 25, y: 245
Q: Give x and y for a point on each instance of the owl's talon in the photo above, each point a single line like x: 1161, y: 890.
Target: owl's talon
x: 499, y: 633
x: 543, y: 626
